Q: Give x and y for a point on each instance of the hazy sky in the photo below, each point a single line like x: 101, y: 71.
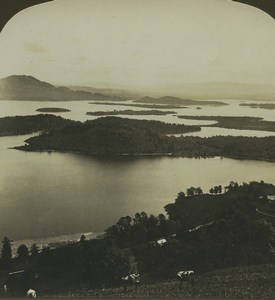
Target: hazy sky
x: 140, y: 42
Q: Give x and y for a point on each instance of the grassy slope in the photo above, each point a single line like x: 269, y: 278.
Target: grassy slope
x: 239, y: 282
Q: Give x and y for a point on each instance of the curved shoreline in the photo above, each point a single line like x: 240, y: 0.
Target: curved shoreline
x: 173, y: 155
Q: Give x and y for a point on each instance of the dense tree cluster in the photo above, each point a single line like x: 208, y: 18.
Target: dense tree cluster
x: 111, y: 135
x: 142, y: 228
x: 217, y: 189
x: 116, y: 136
x: 28, y: 124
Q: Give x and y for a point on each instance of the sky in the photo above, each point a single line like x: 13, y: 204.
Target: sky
x: 140, y: 43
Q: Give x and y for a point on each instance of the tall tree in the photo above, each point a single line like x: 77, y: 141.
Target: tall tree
x: 34, y: 250
x: 6, y: 254
x: 22, y: 251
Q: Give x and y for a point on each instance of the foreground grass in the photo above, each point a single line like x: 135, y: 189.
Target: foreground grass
x: 240, y: 282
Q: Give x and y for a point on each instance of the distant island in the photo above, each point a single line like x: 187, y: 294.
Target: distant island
x: 154, y: 106
x: 178, y: 101
x: 131, y: 112
x: 52, y: 109
x: 259, y: 105
x: 242, y: 123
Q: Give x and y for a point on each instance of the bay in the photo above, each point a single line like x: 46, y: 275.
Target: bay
x: 50, y: 194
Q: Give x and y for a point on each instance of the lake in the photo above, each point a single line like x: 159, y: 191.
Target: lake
x: 78, y: 110
x: 51, y: 194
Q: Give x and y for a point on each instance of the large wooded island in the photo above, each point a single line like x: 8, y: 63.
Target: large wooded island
x: 118, y: 136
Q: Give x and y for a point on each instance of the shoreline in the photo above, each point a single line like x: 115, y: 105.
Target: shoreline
x: 95, y: 154
x: 54, y: 241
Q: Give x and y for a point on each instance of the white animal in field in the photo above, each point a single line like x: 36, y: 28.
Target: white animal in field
x: 186, y: 276
x: 31, y: 293
x: 132, y: 279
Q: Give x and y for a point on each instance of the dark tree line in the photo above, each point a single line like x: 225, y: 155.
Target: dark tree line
x: 28, y: 124
x: 203, y: 232
x: 140, y: 229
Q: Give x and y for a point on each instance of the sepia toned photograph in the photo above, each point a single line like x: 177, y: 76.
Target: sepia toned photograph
x: 137, y: 142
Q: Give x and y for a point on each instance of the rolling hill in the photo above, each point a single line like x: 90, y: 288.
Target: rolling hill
x: 22, y: 87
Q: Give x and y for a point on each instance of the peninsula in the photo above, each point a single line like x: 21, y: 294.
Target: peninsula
x: 131, y: 112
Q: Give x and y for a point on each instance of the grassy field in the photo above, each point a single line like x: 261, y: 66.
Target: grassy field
x: 248, y: 282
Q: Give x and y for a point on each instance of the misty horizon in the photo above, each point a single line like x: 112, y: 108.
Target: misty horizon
x: 142, y: 45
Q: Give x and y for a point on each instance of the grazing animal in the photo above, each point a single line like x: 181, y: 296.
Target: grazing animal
x: 31, y: 293
x: 186, y: 276
x: 5, y: 289
x: 132, y: 279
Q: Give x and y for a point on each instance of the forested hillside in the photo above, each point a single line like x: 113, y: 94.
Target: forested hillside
x: 237, y: 236
x: 28, y: 124
x: 116, y: 136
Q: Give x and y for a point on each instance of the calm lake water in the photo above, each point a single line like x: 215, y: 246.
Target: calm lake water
x: 44, y: 194
x: 50, y: 194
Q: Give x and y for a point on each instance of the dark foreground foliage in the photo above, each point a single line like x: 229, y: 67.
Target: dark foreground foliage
x: 202, y: 232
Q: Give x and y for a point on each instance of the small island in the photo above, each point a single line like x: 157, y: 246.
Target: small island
x: 259, y: 105
x: 154, y: 106
x: 178, y: 101
x: 130, y: 112
x: 242, y: 123
x: 52, y: 110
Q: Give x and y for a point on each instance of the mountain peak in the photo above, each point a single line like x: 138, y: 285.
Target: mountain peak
x: 23, y: 79
x: 25, y: 87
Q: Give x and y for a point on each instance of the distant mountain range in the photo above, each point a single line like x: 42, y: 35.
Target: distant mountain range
x: 121, y: 93
x: 214, y: 90
x: 22, y: 87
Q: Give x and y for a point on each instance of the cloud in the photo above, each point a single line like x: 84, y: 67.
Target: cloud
x: 141, y: 43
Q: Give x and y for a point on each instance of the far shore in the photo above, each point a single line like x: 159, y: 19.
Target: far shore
x: 54, y: 241
x: 130, y: 112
